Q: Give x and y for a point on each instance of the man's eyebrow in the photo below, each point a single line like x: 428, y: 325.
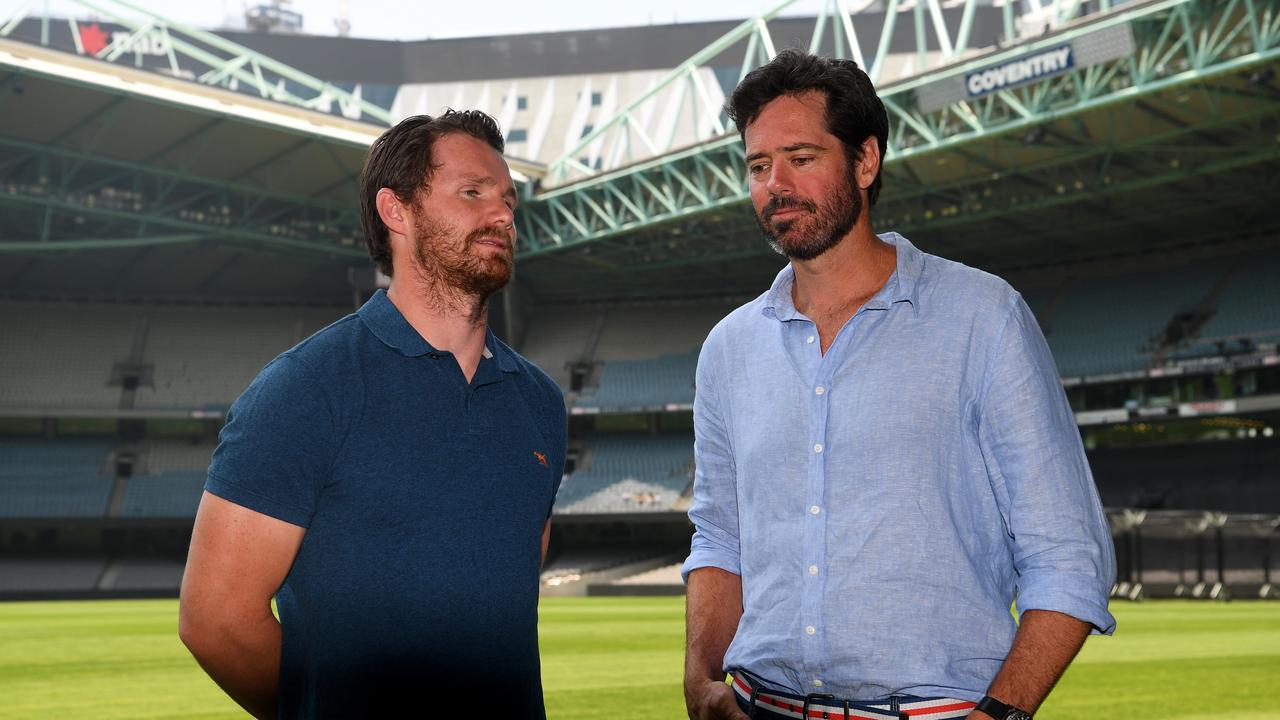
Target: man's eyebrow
x: 789, y: 148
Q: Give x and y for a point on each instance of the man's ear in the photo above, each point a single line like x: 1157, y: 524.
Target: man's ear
x: 868, y: 164
x: 392, y: 211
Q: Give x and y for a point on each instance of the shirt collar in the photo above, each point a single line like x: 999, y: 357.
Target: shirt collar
x: 385, y: 321
x: 901, y: 286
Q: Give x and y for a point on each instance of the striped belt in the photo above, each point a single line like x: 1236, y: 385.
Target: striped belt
x: 764, y: 704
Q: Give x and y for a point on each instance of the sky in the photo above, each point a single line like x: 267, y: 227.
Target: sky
x: 422, y: 19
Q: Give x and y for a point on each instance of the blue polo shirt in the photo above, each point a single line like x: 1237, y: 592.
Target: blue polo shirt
x: 415, y: 590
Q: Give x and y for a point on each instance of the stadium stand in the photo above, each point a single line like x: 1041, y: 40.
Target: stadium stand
x: 84, y: 338
x: 644, y: 384
x: 1224, y: 475
x: 207, y: 357
x: 1249, y: 306
x: 626, y: 473
x: 142, y: 574
x: 49, y: 575
x: 171, y: 482
x: 668, y: 575
x: 181, y: 357
x: 1137, y: 307
x: 53, y: 479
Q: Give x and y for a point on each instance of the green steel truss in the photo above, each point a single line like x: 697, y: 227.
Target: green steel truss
x: 60, y: 198
x: 208, y: 59
x: 939, y: 39
x: 1178, y: 44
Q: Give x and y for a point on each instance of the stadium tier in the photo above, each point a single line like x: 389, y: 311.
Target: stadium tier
x: 85, y: 356
x: 626, y: 473
x: 1137, y: 308
x: 53, y: 480
x: 50, y: 575
x: 1249, y: 308
x: 644, y: 384
x: 57, y: 356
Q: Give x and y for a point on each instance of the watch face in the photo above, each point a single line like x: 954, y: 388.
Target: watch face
x: 1016, y: 714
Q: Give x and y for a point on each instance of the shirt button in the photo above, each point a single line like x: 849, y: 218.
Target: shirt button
x: 813, y: 569
x: 814, y: 510
x: 809, y: 339
x: 810, y: 630
x: 819, y: 390
x: 817, y: 447
x: 817, y: 683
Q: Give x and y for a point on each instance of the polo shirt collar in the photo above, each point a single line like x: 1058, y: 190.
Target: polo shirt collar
x: 385, y: 321
x: 901, y: 286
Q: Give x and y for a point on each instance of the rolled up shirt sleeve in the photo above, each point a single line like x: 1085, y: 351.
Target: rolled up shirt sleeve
x: 714, y: 512
x: 1055, y: 525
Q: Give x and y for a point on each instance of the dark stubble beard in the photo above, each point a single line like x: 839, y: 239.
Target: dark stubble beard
x: 445, y: 263
x: 805, y: 237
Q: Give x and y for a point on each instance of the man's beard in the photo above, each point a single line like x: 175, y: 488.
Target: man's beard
x: 806, y: 236
x: 443, y: 262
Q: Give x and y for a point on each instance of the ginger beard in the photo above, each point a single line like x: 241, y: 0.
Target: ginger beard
x: 820, y: 228
x: 442, y: 258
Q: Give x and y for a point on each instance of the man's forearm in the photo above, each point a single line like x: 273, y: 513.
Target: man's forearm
x: 713, y: 609
x: 1045, y: 644
x: 243, y: 658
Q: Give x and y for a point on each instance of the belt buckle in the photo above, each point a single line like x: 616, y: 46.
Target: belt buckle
x: 812, y: 697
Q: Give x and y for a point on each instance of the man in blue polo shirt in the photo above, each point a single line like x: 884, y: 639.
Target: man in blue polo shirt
x: 389, y: 481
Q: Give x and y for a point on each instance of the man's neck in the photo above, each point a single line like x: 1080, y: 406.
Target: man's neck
x: 832, y: 287
x: 851, y: 272
x: 447, y: 321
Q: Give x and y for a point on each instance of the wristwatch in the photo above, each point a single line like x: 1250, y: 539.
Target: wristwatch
x: 1001, y: 711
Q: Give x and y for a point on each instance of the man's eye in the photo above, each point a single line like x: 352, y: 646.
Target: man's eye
x: 803, y: 160
x: 756, y: 168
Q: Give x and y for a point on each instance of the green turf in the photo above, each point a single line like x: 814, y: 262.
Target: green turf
x: 620, y: 657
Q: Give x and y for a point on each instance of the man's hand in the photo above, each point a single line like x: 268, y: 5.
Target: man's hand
x: 711, y: 700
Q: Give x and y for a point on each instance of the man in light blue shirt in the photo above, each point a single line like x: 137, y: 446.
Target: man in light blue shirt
x: 885, y: 457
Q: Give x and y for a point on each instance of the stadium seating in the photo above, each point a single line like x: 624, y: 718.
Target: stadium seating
x: 1107, y: 324
x: 46, y: 575
x: 629, y: 473
x: 636, y: 384
x: 205, y: 358
x: 645, y: 353
x: 53, y: 480
x: 170, y: 482
x: 61, y: 356
x: 143, y: 574
x: 1250, y: 304
x: 1229, y: 476
x: 56, y: 356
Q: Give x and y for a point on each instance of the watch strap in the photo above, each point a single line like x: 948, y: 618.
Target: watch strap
x: 1001, y: 711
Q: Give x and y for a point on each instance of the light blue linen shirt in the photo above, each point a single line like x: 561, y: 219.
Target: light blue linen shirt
x: 885, y: 503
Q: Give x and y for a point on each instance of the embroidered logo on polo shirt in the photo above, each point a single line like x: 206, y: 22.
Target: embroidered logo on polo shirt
x: 542, y: 459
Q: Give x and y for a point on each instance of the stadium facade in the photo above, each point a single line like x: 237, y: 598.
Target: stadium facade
x: 176, y: 216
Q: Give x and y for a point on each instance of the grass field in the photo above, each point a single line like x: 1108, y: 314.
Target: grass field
x: 620, y: 657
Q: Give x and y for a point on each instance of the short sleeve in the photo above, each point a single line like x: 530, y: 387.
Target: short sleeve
x: 276, y: 450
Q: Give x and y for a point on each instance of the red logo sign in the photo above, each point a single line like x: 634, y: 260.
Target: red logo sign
x: 93, y: 38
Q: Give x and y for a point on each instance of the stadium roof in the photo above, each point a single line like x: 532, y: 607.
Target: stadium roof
x: 123, y: 183
x: 1167, y: 142
x: 154, y: 187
